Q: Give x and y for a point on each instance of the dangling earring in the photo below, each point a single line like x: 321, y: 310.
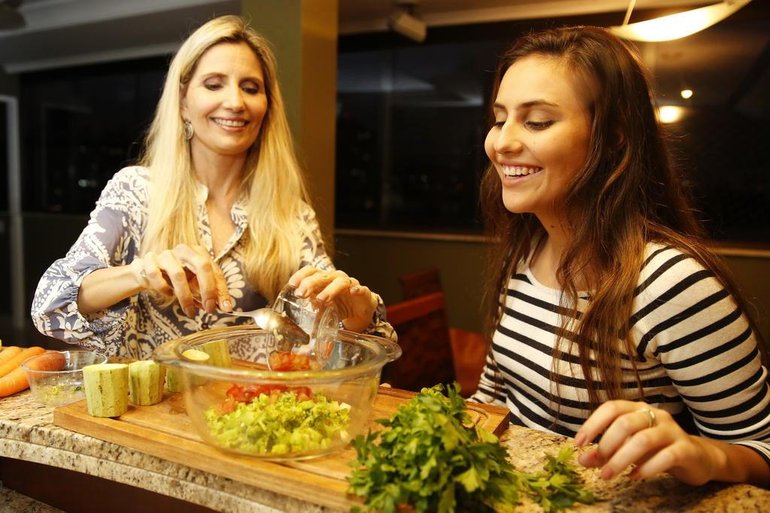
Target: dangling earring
x: 188, y: 130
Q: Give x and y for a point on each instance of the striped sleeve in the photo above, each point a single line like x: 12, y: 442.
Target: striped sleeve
x: 491, y: 388
x: 687, y: 321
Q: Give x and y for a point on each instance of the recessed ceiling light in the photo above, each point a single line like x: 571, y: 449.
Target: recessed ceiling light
x: 670, y: 113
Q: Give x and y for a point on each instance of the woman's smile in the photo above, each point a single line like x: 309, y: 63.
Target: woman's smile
x: 518, y: 171
x: 230, y: 123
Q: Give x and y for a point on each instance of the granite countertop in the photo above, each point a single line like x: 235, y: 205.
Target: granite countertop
x: 27, y: 433
x: 11, y: 501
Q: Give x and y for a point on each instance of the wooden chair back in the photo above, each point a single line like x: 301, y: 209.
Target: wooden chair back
x: 420, y: 283
x: 423, y: 334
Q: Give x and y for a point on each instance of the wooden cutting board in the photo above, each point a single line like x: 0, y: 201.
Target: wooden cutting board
x: 164, y: 430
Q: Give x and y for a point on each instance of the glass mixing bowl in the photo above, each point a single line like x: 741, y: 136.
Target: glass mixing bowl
x: 313, y: 409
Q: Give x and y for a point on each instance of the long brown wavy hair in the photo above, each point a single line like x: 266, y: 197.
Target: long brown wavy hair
x: 629, y: 193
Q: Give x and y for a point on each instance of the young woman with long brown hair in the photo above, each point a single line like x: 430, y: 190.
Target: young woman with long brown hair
x: 611, y: 319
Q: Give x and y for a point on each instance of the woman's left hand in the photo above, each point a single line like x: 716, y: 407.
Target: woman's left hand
x: 633, y: 434
x: 354, y: 302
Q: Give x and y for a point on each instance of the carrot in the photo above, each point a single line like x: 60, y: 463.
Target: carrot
x: 48, y: 361
x: 14, y: 381
x: 14, y: 362
x: 8, y: 353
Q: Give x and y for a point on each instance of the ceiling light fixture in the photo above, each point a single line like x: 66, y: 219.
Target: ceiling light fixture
x: 405, y: 21
x: 675, y: 26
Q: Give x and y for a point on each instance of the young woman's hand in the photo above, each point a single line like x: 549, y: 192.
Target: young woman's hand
x: 187, y: 273
x: 648, y: 440
x: 354, y: 302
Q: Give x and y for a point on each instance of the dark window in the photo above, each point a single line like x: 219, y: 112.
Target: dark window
x: 79, y: 126
x: 412, y: 121
x: 410, y: 125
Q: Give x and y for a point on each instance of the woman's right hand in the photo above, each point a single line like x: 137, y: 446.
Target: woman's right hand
x: 649, y: 441
x: 187, y: 273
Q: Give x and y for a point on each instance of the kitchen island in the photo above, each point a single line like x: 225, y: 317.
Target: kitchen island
x: 27, y: 434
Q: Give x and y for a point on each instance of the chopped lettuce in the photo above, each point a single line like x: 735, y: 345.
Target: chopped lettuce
x: 281, y: 424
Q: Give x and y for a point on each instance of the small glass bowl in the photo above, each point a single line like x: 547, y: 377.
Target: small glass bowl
x: 321, y: 322
x: 56, y: 388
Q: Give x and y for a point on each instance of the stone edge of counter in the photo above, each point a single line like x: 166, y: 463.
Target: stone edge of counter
x: 28, y: 434
x: 13, y: 502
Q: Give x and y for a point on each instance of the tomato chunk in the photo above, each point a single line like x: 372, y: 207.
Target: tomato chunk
x: 288, y: 361
x: 247, y: 393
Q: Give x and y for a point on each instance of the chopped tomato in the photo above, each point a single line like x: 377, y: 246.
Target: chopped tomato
x: 288, y: 361
x: 247, y: 393
x: 228, y: 405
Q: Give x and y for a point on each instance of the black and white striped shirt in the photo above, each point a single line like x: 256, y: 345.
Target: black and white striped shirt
x: 695, y: 353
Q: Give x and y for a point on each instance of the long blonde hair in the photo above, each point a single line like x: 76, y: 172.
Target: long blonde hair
x: 272, y: 179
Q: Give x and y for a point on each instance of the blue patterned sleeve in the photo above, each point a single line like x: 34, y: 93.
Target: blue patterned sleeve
x: 314, y: 253
x: 110, y: 238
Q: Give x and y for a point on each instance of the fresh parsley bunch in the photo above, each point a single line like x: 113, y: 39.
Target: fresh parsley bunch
x: 559, y: 486
x: 431, y: 457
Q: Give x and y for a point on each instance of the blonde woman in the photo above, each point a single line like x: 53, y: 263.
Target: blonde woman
x: 215, y: 219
